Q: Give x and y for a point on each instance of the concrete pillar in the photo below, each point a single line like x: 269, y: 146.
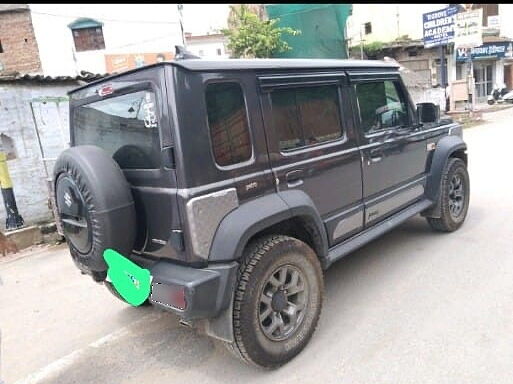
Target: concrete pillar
x: 499, y: 72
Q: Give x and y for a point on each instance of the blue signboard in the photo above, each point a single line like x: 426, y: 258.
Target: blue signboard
x: 439, y: 26
x: 502, y: 49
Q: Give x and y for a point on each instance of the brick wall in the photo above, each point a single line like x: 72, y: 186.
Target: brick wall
x: 27, y: 170
x: 20, y: 52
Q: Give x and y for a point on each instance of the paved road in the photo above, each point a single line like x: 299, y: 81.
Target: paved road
x: 412, y: 307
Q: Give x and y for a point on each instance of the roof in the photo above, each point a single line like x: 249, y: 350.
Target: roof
x: 261, y: 64
x: 495, y: 39
x: 212, y: 36
x: 11, y: 77
x: 13, y: 7
x: 84, y: 22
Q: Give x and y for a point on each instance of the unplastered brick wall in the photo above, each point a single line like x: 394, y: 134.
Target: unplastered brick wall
x: 19, y: 51
x: 17, y: 124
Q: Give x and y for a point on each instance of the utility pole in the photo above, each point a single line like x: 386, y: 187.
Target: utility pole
x: 361, y: 42
x: 13, y: 218
x: 397, y: 17
x: 180, y: 15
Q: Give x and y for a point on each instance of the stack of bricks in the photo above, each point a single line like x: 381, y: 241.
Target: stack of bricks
x: 19, y: 51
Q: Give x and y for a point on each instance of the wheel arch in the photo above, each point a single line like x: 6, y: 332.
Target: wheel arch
x: 448, y: 147
x: 290, y: 213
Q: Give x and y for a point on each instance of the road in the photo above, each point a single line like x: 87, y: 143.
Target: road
x: 414, y: 306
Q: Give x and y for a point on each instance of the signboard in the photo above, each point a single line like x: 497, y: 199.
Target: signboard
x: 488, y: 50
x: 439, y: 27
x: 468, y: 29
x: 126, y: 61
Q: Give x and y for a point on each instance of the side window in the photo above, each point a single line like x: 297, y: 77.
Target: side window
x: 382, y: 105
x: 228, y: 123
x: 306, y: 116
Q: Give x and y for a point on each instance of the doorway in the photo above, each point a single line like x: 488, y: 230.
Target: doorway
x: 483, y: 75
x: 508, y: 76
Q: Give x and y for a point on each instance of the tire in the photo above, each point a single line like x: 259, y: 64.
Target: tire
x: 95, y: 205
x: 255, y: 341
x: 491, y: 102
x: 450, y: 218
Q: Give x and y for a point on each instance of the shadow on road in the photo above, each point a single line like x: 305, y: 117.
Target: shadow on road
x: 158, y: 347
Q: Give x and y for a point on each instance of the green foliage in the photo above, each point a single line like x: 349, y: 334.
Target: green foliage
x: 251, y: 37
x: 370, y: 50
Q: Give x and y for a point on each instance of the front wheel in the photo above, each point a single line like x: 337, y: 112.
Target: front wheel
x: 454, y: 197
x: 278, y: 300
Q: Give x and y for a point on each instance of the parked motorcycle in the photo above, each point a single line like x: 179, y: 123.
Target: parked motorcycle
x: 500, y: 95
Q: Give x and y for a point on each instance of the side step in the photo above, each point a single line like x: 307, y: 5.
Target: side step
x: 375, y: 231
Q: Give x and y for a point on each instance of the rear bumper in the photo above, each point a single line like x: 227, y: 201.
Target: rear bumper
x: 207, y: 291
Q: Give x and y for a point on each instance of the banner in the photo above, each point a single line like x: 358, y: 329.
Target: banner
x: 468, y: 29
x: 116, y: 63
x: 439, y: 27
x: 497, y: 50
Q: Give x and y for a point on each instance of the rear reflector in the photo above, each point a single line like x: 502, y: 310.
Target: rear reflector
x: 106, y: 90
x: 169, y: 295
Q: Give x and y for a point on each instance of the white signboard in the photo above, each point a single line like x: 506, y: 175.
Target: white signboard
x: 468, y: 29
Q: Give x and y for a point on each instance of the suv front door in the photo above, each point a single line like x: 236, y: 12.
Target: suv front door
x: 393, y: 151
x: 312, y: 148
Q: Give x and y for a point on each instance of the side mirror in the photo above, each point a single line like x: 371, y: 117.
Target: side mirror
x: 428, y: 113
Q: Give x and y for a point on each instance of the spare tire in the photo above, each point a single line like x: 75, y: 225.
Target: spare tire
x: 96, y: 207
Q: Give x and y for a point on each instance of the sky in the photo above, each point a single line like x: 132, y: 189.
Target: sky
x: 198, y: 18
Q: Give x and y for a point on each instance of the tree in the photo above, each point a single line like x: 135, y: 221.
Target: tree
x: 251, y: 37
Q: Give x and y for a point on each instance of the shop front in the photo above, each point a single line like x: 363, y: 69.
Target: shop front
x: 491, y: 63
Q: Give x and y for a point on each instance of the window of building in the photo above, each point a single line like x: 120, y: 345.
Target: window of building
x: 488, y: 10
x: 438, y: 71
x: 382, y: 105
x: 87, y: 35
x: 228, y: 123
x: 201, y: 53
x: 1, y: 48
x: 125, y: 126
x: 306, y: 116
x: 218, y: 51
x: 368, y: 28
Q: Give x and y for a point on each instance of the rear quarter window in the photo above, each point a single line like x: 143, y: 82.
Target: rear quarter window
x: 228, y: 123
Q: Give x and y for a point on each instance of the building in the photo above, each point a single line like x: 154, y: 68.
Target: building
x: 18, y: 47
x: 101, y: 39
x: 396, y: 30
x: 33, y: 132
x: 210, y: 45
x: 322, y: 26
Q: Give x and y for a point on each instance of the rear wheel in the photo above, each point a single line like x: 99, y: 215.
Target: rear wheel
x: 277, y: 302
x: 454, y: 197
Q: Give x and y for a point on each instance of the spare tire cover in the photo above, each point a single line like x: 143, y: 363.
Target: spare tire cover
x: 96, y: 207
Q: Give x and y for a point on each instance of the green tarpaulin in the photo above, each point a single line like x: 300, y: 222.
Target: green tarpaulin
x: 322, y: 29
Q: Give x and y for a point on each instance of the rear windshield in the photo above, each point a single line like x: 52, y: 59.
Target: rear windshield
x: 125, y: 126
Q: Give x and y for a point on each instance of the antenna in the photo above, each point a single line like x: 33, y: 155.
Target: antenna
x: 181, y: 53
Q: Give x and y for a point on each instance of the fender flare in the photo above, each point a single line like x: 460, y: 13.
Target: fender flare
x: 248, y: 219
x: 444, y: 149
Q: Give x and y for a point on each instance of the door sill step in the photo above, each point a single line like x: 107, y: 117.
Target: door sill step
x: 359, y: 240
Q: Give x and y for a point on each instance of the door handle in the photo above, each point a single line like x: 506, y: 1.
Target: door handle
x: 294, y: 178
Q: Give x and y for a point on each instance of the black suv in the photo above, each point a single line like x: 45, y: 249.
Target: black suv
x: 235, y: 183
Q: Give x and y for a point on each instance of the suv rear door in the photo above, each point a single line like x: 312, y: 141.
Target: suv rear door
x: 393, y: 150
x: 312, y: 145
x: 127, y: 117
